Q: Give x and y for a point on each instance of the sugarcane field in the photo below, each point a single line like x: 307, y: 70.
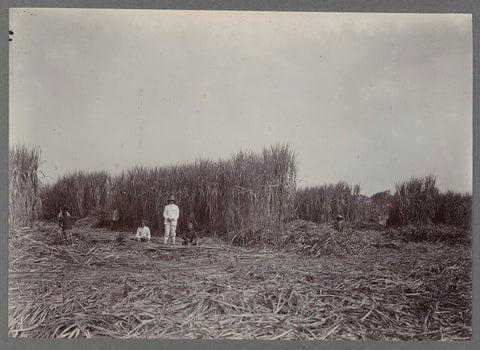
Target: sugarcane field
x: 266, y: 263
x: 235, y: 177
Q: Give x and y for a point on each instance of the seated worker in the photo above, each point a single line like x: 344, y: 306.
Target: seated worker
x: 143, y: 232
x: 190, y: 236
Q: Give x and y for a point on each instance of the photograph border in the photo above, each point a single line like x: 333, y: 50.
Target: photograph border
x: 392, y: 6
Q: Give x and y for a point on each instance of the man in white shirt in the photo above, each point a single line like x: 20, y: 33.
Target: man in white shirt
x: 143, y: 233
x: 171, y: 214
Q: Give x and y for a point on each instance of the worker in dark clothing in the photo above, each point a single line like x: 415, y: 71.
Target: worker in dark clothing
x: 65, y: 221
x: 339, y: 223
x: 115, y: 219
x: 190, y: 236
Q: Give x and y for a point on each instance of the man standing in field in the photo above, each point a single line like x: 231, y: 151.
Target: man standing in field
x: 339, y: 223
x: 65, y: 221
x: 115, y: 219
x: 171, y: 214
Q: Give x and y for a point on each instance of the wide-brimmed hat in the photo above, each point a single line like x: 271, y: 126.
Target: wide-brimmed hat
x: 171, y: 198
x: 339, y: 217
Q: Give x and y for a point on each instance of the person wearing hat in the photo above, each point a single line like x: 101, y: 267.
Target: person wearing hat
x: 65, y: 221
x: 171, y: 214
x: 339, y: 223
x: 143, y: 232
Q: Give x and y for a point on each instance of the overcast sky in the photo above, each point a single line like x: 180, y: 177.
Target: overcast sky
x: 371, y: 99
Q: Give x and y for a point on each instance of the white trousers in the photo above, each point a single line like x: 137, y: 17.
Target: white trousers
x: 170, y: 232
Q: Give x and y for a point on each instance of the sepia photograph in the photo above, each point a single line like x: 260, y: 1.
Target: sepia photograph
x: 250, y: 175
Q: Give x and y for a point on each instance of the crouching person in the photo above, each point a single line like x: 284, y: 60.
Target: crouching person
x: 190, y: 236
x: 143, y: 232
x: 65, y: 221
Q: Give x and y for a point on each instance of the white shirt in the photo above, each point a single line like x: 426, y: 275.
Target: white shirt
x: 171, y: 212
x: 143, y: 232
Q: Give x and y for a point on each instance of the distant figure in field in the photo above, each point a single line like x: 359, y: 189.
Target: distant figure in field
x: 382, y: 221
x: 65, y: 221
x: 115, y: 219
x: 190, y: 236
x: 171, y: 214
x: 66, y: 209
x: 339, y: 223
x: 143, y: 232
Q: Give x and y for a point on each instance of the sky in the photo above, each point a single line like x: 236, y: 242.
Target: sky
x: 370, y: 99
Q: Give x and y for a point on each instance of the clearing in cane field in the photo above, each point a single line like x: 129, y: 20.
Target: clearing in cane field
x: 252, y: 274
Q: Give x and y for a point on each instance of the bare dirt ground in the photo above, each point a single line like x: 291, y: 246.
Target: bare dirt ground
x: 314, y: 284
